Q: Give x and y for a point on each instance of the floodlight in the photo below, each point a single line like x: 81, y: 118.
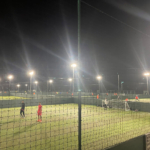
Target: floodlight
x: 26, y: 84
x: 70, y: 79
x: 99, y: 77
x: 18, y: 85
x: 50, y: 81
x: 10, y: 77
x: 73, y: 65
x: 36, y: 82
x: 31, y: 73
x: 146, y: 74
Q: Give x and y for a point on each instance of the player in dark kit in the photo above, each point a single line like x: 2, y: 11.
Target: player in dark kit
x: 22, y: 109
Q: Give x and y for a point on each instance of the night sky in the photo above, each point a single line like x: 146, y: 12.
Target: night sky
x: 42, y: 35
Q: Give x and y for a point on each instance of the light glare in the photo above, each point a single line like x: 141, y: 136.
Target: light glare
x: 146, y: 74
x: 70, y: 79
x: 31, y: 73
x: 73, y: 65
x: 99, y: 77
x: 50, y: 81
x: 36, y: 82
x: 10, y: 77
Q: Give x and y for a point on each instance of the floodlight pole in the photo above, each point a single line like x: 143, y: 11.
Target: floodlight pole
x: 73, y: 82
x: 99, y: 86
x: 50, y: 87
x: 9, y: 86
x: 27, y: 88
x: 147, y: 85
x: 47, y: 87
x: 70, y: 86
x: 118, y: 83
x: 30, y: 83
x: 79, y: 96
x: 36, y: 88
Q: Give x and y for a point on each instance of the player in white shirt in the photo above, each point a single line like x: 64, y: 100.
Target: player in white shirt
x: 105, y: 104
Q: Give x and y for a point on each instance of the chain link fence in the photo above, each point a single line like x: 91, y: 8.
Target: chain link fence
x: 104, y: 121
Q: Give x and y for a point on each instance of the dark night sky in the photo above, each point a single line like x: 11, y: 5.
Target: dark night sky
x: 42, y: 35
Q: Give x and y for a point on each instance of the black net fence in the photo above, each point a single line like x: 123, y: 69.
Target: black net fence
x: 50, y: 120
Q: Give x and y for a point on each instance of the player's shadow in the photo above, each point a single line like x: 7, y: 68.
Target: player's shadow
x: 24, y: 129
x: 9, y: 122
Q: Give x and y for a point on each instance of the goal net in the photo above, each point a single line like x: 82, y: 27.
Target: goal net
x: 117, y: 104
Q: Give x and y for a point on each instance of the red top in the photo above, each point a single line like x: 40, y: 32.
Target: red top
x: 39, y: 108
x: 136, y: 97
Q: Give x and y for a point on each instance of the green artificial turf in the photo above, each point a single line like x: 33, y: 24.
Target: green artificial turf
x: 141, y: 100
x: 11, y: 98
x: 59, y: 128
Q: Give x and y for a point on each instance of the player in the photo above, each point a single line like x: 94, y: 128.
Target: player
x: 126, y: 99
x: 137, y: 98
x: 39, y: 112
x: 22, y: 109
x: 105, y: 105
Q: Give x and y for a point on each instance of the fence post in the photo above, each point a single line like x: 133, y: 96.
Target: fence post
x: 79, y: 120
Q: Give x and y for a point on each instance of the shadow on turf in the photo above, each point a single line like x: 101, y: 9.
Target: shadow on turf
x: 24, y: 129
x: 9, y: 122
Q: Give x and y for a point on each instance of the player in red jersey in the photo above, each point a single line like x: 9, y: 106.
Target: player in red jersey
x: 136, y: 98
x: 39, y: 112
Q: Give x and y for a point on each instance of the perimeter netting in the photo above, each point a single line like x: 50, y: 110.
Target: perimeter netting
x: 57, y: 126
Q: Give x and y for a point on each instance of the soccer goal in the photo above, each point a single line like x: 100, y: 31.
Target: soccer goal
x: 118, y: 104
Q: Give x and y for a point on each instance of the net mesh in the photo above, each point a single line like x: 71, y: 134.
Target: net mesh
x: 58, y: 129
x: 118, y: 104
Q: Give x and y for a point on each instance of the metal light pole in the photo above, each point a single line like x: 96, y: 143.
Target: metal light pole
x: 147, y: 74
x: 99, y: 78
x: 10, y: 78
x: 147, y: 86
x: 70, y: 80
x: 31, y: 74
x: 30, y: 83
x: 18, y: 85
x: 47, y: 87
x: 73, y: 82
x: 51, y: 81
x: 73, y: 66
x: 118, y: 83
x: 36, y: 82
x: 99, y: 86
x: 79, y: 96
x: 26, y: 87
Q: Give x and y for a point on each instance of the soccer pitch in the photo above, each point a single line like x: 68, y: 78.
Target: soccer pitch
x: 59, y: 128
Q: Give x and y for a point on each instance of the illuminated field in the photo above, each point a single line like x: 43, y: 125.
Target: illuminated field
x: 59, y: 128
x: 11, y: 97
x: 141, y: 100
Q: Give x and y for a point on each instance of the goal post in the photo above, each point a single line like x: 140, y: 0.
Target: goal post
x: 127, y: 107
x: 117, y: 104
